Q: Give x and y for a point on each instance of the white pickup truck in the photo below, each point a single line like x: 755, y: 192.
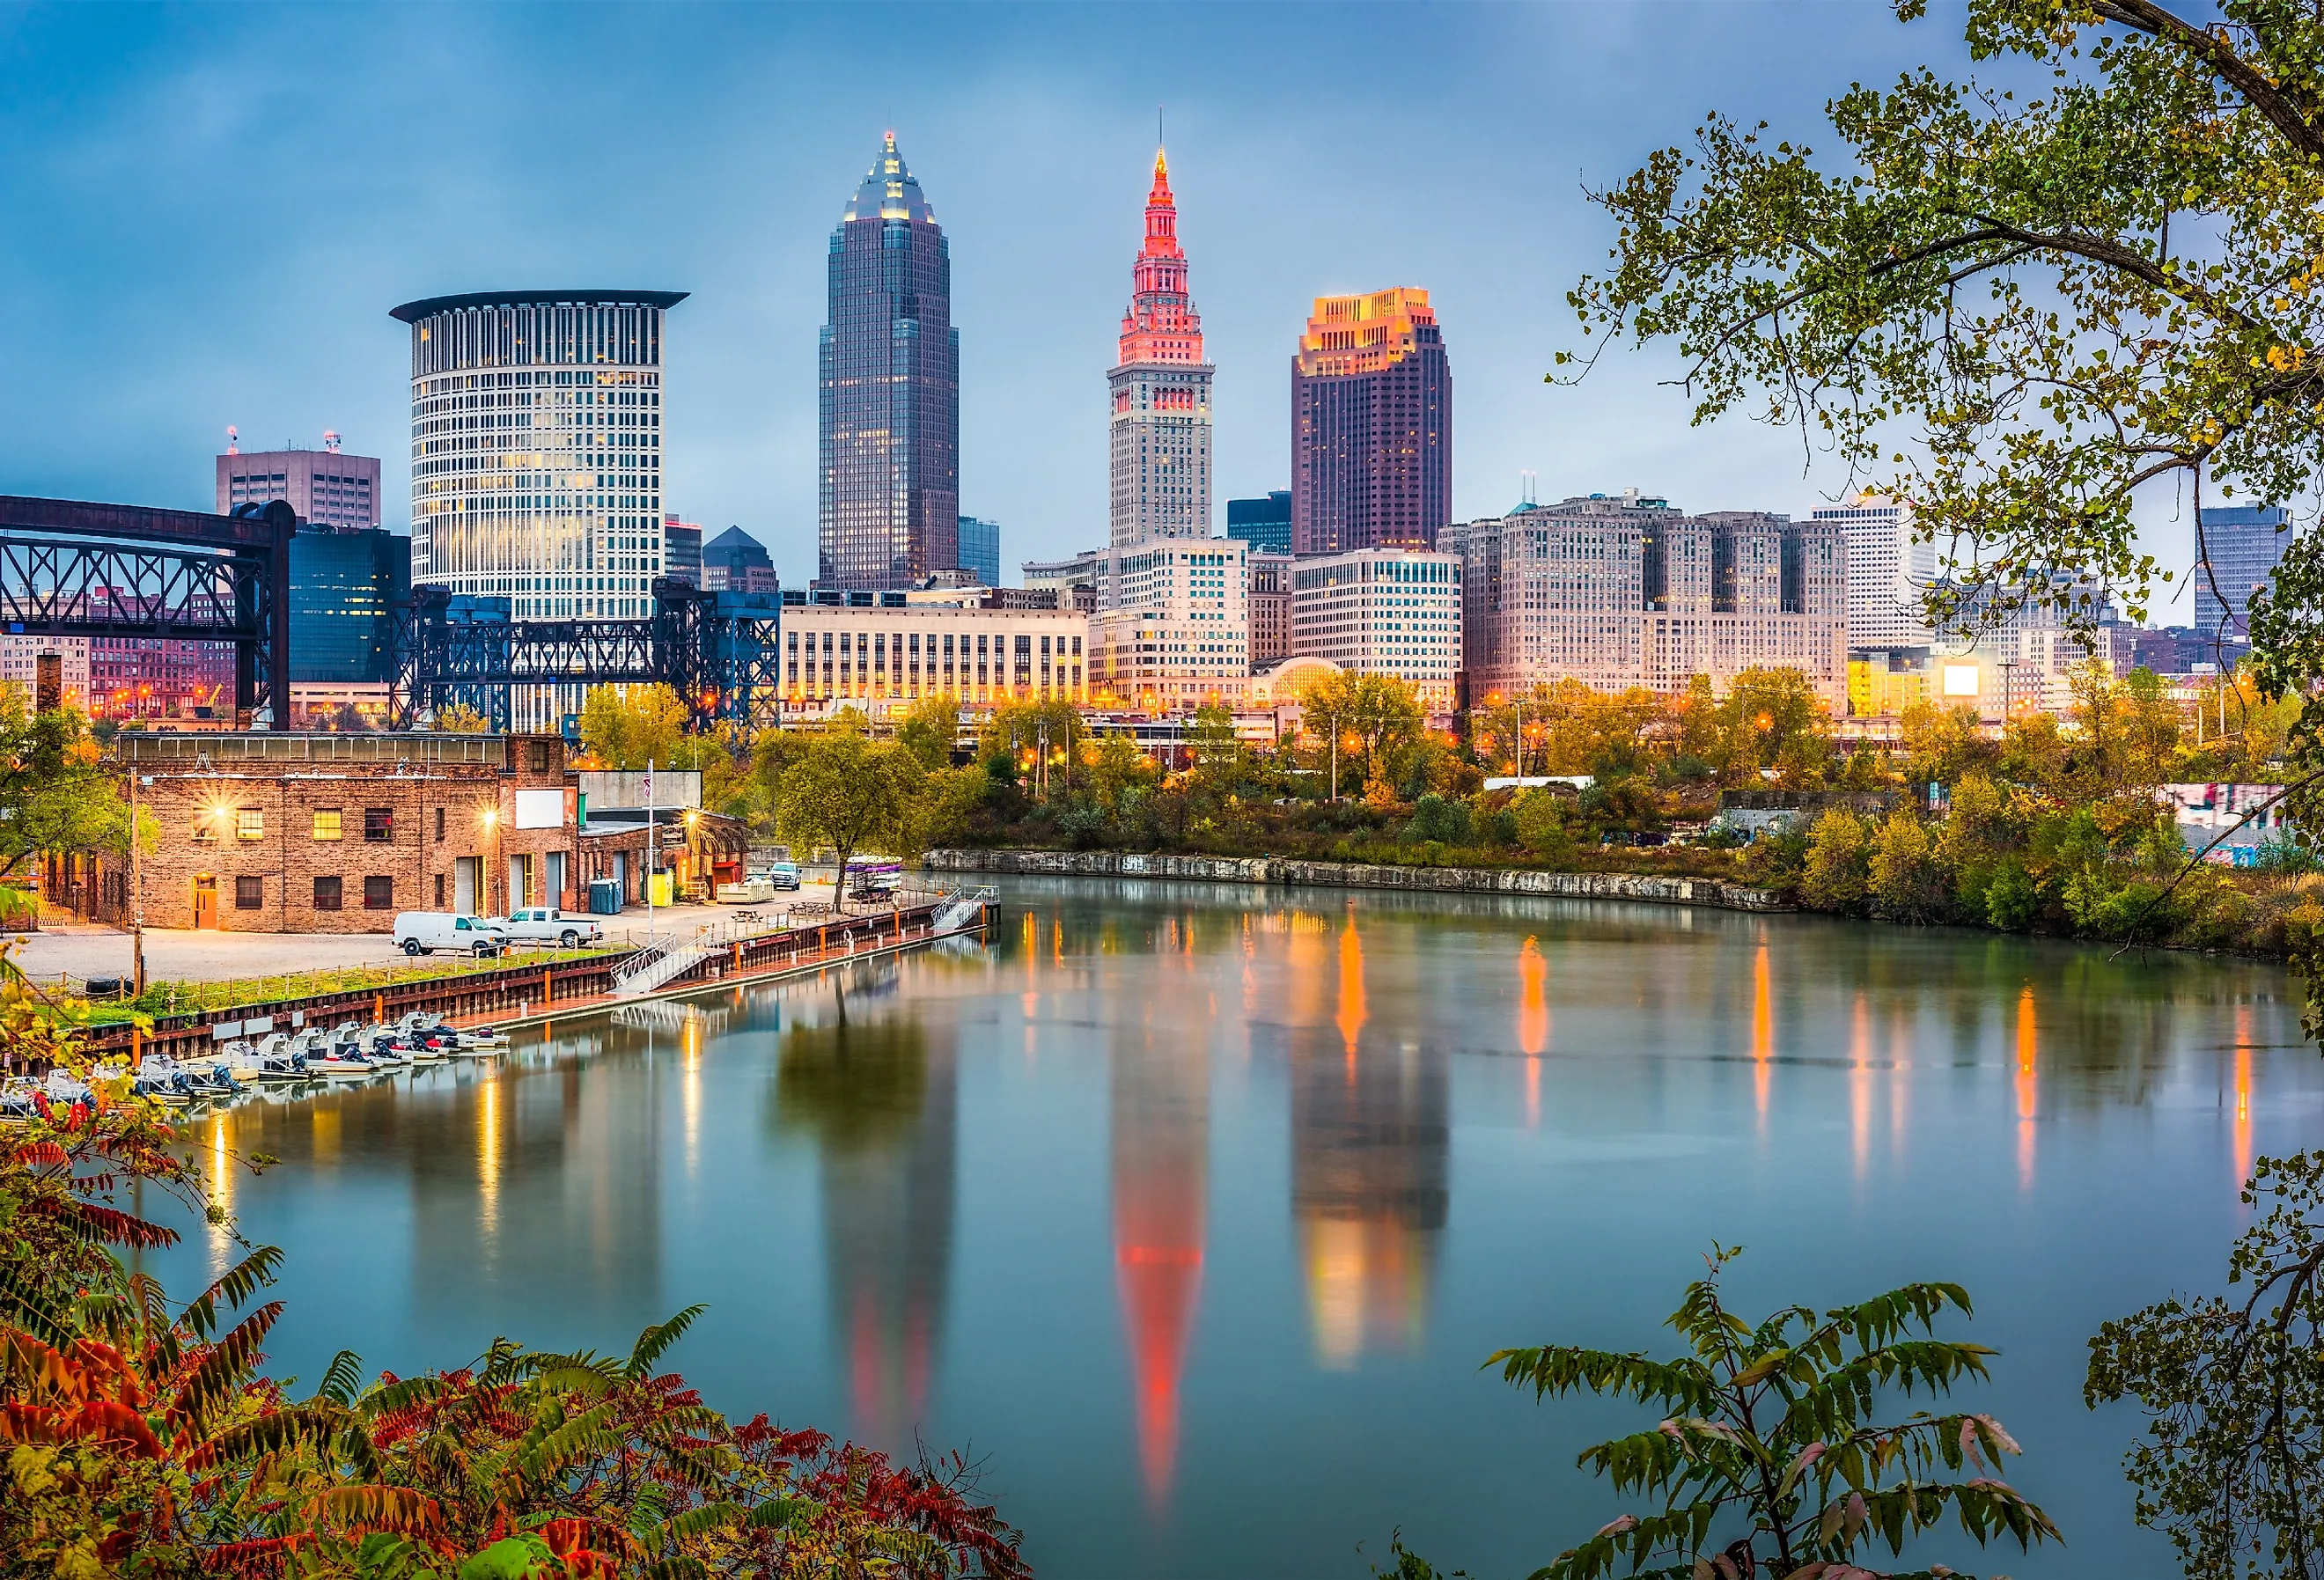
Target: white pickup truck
x: 545, y: 924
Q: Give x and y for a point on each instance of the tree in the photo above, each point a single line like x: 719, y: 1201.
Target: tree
x: 2232, y: 1465
x: 460, y: 720
x: 846, y: 792
x: 1769, y: 1460
x: 1370, y: 717
x: 54, y: 795
x: 1763, y: 719
x: 929, y: 729
x: 1940, y: 742
x: 629, y: 726
x: 1836, y: 876
x: 1999, y: 276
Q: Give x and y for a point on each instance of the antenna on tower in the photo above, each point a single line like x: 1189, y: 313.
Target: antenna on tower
x: 233, y: 440
x: 1525, y: 484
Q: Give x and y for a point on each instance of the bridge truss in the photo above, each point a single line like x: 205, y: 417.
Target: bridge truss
x: 718, y: 651
x: 73, y: 568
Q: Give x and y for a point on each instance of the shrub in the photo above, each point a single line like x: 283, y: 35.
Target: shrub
x: 1435, y: 819
x: 1905, y: 878
x: 1837, y: 872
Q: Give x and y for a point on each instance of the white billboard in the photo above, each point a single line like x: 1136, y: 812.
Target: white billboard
x: 540, y: 809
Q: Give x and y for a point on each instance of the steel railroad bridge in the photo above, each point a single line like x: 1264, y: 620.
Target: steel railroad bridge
x: 69, y: 568
x: 717, y: 649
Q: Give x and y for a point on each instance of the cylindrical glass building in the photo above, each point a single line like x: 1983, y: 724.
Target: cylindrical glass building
x: 536, y: 449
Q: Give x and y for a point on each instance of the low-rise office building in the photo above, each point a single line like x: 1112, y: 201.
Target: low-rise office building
x: 1173, y: 628
x: 1382, y: 611
x: 885, y: 657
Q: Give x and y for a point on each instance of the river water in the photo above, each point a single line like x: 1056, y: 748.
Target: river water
x: 1190, y: 1211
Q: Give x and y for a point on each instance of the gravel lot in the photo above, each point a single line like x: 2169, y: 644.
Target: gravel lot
x: 179, y: 954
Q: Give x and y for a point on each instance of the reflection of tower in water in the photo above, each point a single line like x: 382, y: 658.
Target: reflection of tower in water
x: 1161, y: 1161
x: 880, y: 1097
x: 1370, y: 1132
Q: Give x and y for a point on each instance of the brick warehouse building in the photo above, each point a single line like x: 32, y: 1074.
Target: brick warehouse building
x: 336, y: 833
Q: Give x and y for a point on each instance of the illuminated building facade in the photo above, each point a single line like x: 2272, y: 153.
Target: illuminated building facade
x: 1173, y: 628
x: 536, y: 449
x: 1888, y: 573
x: 1623, y: 590
x: 1271, y: 607
x: 1382, y: 611
x: 1372, y: 425
x: 888, y: 412
x: 1160, y: 389
x: 883, y: 658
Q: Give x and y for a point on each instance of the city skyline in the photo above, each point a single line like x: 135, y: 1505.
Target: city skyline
x: 133, y: 127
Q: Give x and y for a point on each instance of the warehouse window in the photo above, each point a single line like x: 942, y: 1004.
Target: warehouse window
x: 327, y: 825
x: 379, y: 825
x: 326, y: 893
x: 379, y: 893
x: 249, y: 893
x: 250, y: 823
x: 439, y: 824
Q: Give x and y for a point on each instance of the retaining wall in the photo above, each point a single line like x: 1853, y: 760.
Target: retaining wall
x: 1215, y: 869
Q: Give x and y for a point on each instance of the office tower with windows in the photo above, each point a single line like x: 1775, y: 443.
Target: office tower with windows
x: 1160, y: 390
x: 681, y: 550
x: 330, y: 492
x: 343, y: 587
x: 1888, y: 573
x: 889, y: 409
x: 536, y: 449
x: 1624, y: 590
x: 2242, y: 546
x: 1264, y: 523
x: 735, y: 561
x: 1382, y: 611
x: 1372, y: 425
x: 1271, y: 607
x: 980, y: 550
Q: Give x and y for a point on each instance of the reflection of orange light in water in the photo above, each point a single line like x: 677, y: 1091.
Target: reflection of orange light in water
x: 1161, y: 1161
x: 1350, y: 1020
x: 1860, y: 1086
x: 2242, y: 1094
x: 1763, y: 1031
x: 1533, y: 1022
x: 1900, y: 1066
x: 2028, y: 1084
x: 1057, y: 941
x: 1364, y: 1278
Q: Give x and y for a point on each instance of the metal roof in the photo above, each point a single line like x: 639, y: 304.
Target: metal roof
x: 412, y: 312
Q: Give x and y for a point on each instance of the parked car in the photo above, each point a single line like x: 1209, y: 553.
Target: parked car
x: 548, y: 925
x: 423, y: 932
x: 784, y: 876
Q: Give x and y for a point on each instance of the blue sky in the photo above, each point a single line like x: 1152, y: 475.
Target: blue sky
x: 210, y: 209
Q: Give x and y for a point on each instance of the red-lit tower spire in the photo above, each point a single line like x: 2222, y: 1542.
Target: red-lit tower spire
x: 1161, y: 324
x: 1160, y: 433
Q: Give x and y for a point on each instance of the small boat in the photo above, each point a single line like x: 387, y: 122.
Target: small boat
x: 21, y: 1098
x: 161, y: 1079
x: 478, y: 1039
x: 212, y: 1076
x: 64, y: 1087
x: 381, y: 1045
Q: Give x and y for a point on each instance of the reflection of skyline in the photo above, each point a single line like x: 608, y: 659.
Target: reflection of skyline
x: 881, y: 1099
x: 1370, y: 1135
x: 1161, y: 1131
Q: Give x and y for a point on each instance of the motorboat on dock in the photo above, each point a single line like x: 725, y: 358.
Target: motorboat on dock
x: 342, y: 1055
x: 279, y: 1056
x: 21, y: 1098
x: 162, y: 1079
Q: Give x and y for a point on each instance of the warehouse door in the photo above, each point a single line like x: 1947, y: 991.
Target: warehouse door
x: 463, y: 884
x: 205, y: 902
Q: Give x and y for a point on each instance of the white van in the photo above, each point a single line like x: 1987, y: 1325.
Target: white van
x: 423, y: 932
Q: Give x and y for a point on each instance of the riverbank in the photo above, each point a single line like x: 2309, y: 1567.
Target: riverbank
x: 1653, y: 889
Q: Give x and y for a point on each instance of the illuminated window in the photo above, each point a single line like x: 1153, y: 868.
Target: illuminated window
x: 326, y: 824
x: 250, y: 823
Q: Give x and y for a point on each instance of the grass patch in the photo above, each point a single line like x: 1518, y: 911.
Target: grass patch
x: 161, y: 999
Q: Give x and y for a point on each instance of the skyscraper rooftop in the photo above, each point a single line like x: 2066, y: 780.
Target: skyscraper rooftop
x: 889, y: 191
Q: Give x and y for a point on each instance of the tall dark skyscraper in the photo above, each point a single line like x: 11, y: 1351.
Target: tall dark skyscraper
x: 890, y: 511
x: 1371, y: 426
